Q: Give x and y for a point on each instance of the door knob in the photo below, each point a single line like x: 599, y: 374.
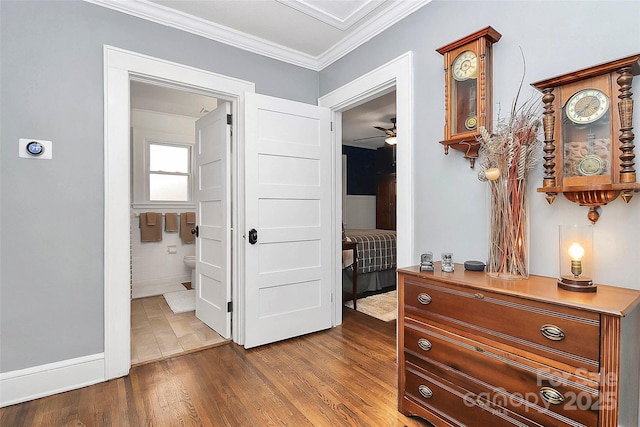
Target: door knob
x: 195, y: 231
x: 253, y: 236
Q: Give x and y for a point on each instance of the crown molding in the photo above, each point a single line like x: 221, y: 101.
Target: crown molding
x: 175, y: 19
x: 373, y: 27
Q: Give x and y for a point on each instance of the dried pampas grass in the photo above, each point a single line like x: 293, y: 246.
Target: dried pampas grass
x: 505, y: 160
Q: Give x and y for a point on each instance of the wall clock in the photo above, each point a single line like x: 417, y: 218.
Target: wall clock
x: 468, y: 87
x: 588, y: 139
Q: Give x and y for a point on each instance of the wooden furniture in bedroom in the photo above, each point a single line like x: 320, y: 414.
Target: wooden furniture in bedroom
x: 353, y: 246
x: 386, y: 202
x: 479, y: 351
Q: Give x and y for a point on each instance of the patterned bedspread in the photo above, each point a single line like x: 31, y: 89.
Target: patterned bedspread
x: 376, y: 249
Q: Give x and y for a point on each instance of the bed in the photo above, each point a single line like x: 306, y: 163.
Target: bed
x: 376, y: 260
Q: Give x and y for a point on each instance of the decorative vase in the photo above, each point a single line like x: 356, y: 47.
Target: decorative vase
x: 508, y: 229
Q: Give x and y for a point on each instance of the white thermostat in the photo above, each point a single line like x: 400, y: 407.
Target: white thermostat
x: 35, y: 149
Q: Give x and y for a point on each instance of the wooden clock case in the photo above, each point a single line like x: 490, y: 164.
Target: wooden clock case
x: 614, y: 78
x: 457, y: 107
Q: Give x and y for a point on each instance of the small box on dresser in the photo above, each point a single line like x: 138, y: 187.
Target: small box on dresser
x: 478, y: 351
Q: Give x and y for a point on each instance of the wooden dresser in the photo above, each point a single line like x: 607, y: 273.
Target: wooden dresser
x: 386, y: 202
x: 478, y: 351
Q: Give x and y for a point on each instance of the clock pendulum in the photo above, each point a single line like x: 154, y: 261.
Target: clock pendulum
x: 591, y: 163
x: 472, y: 119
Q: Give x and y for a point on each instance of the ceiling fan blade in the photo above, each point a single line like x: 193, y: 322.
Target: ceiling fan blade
x: 387, y: 131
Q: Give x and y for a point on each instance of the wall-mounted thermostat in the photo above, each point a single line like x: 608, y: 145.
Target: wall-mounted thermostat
x: 35, y: 149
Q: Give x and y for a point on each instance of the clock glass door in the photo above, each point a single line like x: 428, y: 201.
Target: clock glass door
x: 464, y: 73
x: 586, y: 122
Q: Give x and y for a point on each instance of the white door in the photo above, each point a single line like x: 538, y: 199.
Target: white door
x: 212, y: 194
x: 288, y: 219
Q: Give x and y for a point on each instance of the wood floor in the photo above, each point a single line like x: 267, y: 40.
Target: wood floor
x: 158, y: 333
x: 345, y: 376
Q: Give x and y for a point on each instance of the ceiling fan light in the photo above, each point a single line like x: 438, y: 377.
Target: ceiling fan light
x: 391, y: 140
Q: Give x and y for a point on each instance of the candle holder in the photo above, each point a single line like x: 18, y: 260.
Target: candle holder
x: 576, y: 258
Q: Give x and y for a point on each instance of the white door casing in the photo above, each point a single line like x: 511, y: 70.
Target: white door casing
x: 288, y: 201
x: 119, y: 66
x: 396, y: 74
x: 212, y: 193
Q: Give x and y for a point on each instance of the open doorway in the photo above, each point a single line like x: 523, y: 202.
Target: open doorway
x: 120, y: 67
x: 163, y: 158
x: 369, y: 206
x: 397, y: 75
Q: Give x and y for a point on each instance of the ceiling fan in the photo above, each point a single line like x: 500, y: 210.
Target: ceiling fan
x: 389, y: 132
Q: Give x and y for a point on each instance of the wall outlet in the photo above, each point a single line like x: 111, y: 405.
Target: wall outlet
x: 172, y: 249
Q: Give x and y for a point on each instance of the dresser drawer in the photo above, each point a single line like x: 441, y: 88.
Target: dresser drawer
x: 564, y: 334
x: 533, y: 390
x: 454, y: 405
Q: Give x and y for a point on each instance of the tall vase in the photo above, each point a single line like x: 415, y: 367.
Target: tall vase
x: 509, y: 229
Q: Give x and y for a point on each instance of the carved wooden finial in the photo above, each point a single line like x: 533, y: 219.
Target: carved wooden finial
x: 593, y: 214
x: 548, y: 123
x: 625, y: 107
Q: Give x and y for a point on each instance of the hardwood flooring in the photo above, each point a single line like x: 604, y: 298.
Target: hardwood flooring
x: 158, y: 333
x: 345, y: 376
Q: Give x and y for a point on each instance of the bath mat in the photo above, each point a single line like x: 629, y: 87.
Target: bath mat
x: 182, y: 301
x: 380, y: 306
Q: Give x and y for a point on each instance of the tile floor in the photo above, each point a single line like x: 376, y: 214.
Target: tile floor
x: 158, y: 333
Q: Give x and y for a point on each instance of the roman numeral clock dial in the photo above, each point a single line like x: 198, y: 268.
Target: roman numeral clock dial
x: 587, y: 106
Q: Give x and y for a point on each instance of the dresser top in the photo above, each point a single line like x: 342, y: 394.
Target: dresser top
x: 608, y: 299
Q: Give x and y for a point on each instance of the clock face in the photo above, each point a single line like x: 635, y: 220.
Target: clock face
x: 587, y: 106
x: 465, y: 66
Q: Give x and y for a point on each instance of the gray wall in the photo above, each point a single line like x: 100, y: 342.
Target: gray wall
x: 51, y: 282
x: 556, y: 37
x: 51, y: 215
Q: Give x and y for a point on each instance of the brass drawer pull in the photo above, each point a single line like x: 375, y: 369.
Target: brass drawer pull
x: 552, y: 332
x: 478, y: 295
x: 551, y: 395
x: 425, y: 391
x: 424, y: 299
x: 424, y: 344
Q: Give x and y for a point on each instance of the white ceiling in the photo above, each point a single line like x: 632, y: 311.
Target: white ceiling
x: 359, y: 122
x: 162, y: 99
x: 308, y: 33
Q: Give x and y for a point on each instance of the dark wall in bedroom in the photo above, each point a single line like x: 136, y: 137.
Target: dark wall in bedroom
x: 363, y: 167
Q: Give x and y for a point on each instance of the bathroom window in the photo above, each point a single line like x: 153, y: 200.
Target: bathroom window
x: 162, y: 170
x: 169, y: 172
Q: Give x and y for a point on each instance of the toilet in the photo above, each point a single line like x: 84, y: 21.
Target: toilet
x: 190, y: 261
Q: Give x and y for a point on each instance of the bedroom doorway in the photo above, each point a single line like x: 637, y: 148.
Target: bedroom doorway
x: 369, y: 205
x: 395, y: 75
x: 370, y: 162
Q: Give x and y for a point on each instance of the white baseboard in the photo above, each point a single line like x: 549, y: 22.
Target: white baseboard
x: 52, y: 378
